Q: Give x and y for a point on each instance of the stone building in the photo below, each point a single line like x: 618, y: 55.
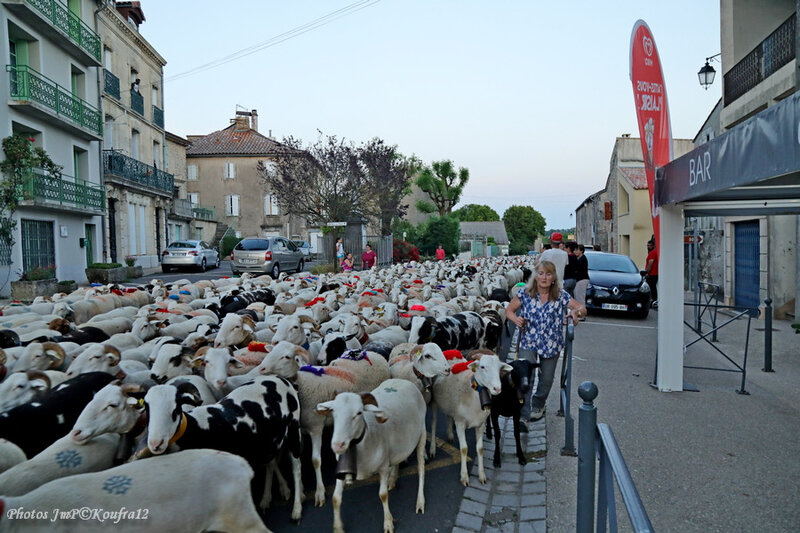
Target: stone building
x: 138, y: 189
x: 49, y: 95
x: 222, y: 175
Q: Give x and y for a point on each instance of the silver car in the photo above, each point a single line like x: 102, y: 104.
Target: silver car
x: 269, y: 255
x: 189, y: 253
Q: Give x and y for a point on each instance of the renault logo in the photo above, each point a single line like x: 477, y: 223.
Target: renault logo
x: 615, y: 291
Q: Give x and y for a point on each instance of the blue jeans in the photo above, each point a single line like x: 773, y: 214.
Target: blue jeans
x: 546, y: 374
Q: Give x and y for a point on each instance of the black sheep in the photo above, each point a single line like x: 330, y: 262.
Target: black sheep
x: 516, y: 388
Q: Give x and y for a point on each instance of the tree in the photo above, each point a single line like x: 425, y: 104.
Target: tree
x: 404, y: 230
x: 388, y: 179
x: 323, y: 182
x: 440, y: 230
x: 443, y: 184
x: 476, y: 213
x: 523, y: 224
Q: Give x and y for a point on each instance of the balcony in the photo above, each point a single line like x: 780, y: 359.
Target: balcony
x: 181, y: 208
x: 64, y: 28
x: 42, y: 97
x: 137, y: 102
x: 205, y: 213
x: 111, y: 86
x: 123, y: 170
x: 158, y: 117
x: 63, y: 193
x: 763, y: 61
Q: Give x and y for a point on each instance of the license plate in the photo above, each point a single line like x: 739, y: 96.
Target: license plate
x: 250, y: 261
x: 615, y: 307
x: 177, y: 253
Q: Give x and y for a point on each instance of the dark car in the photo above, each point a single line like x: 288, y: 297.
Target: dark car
x: 615, y: 284
x: 269, y: 255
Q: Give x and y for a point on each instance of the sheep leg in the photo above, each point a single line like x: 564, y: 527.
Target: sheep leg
x: 421, y: 473
x: 449, y: 426
x: 395, y: 473
x: 489, y: 429
x: 494, y: 420
x: 520, y: 453
x: 479, y: 451
x: 338, y: 527
x: 434, y: 418
x: 267, y: 497
x: 297, y: 507
x: 383, y: 492
x: 462, y: 444
x: 316, y: 460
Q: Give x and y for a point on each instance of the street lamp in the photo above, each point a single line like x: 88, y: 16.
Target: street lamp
x: 707, y: 73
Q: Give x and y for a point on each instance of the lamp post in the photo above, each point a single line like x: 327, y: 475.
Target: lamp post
x: 707, y: 72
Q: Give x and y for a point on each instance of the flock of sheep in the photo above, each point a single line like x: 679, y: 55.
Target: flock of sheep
x: 100, y: 388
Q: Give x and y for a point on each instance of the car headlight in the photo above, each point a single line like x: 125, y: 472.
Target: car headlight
x: 644, y: 287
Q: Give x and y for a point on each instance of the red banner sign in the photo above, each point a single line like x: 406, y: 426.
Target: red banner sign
x: 652, y: 111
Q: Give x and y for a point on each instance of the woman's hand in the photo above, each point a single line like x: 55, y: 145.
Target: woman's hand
x: 518, y: 321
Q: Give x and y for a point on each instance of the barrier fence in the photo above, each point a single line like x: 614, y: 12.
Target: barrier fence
x: 566, y: 387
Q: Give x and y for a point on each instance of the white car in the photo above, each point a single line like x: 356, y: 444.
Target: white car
x: 189, y: 253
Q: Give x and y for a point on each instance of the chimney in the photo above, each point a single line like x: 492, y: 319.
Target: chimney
x: 254, y: 120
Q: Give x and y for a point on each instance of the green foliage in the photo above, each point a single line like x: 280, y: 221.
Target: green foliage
x: 523, y: 225
x: 321, y: 269
x: 490, y: 241
x: 39, y: 273
x: 66, y: 282
x: 104, y: 266
x: 564, y: 232
x: 443, y: 184
x: 400, y: 226
x: 440, y: 230
x: 476, y: 213
x: 226, y: 245
x: 21, y: 156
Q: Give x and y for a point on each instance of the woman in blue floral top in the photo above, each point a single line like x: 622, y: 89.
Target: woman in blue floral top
x: 542, y: 307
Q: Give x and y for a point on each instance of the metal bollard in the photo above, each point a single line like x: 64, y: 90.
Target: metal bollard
x: 587, y: 457
x: 768, y: 336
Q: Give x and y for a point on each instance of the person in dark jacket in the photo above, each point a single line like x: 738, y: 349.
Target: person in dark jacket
x: 581, y: 275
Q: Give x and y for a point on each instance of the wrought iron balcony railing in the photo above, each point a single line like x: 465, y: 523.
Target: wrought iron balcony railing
x: 44, y: 189
x: 771, y: 54
x: 205, y: 213
x: 28, y: 84
x: 117, y: 164
x: 137, y: 102
x: 78, y: 32
x: 182, y: 207
x: 158, y: 117
x: 111, y: 84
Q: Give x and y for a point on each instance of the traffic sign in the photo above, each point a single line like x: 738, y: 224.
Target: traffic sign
x: 689, y: 239
x: 336, y: 224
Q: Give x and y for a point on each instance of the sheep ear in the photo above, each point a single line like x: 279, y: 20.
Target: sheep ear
x: 235, y: 362
x: 325, y: 408
x: 505, y: 368
x: 474, y: 366
x: 368, y: 399
x: 380, y: 415
x: 199, y: 361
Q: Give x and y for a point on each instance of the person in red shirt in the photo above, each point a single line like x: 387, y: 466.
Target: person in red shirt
x: 440, y: 253
x: 651, y: 269
x: 368, y: 258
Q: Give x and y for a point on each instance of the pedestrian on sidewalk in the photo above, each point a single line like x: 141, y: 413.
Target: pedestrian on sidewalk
x: 556, y: 255
x: 339, y: 250
x: 651, y: 270
x: 440, y: 253
x: 581, y: 274
x: 542, y: 306
x: 368, y: 258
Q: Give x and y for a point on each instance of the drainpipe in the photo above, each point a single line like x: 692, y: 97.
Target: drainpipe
x: 100, y: 144
x: 797, y: 268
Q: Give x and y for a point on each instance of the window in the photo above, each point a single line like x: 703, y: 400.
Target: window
x: 194, y: 197
x: 142, y: 231
x: 80, y: 161
x: 271, y: 205
x: 132, y: 229
x: 232, y: 205
x: 191, y: 172
x: 78, y: 79
x: 108, y: 132
x: 12, y: 53
x: 229, y: 171
x: 135, y: 144
x: 154, y: 95
x: 157, y: 154
x: 107, y: 58
x: 38, y: 244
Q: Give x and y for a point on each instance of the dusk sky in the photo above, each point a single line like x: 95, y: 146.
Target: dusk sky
x: 528, y: 95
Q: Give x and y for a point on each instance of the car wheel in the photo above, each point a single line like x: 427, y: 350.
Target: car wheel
x: 216, y: 265
x: 203, y: 265
x: 235, y: 272
x: 300, y: 266
x: 276, y: 271
x: 165, y: 269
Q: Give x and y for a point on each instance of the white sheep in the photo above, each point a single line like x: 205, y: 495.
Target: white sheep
x: 419, y: 364
x: 384, y: 427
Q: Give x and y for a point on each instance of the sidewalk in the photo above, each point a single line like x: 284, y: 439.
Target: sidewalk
x: 703, y: 461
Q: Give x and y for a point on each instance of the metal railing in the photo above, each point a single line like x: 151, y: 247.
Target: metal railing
x: 182, y: 207
x: 381, y: 244
x: 62, y: 18
x: 118, y: 164
x: 158, y: 117
x: 45, y: 189
x: 204, y: 213
x: 762, y: 62
x: 28, y: 84
x: 596, y: 441
x: 566, y: 387
x: 137, y: 102
x: 704, y: 298
x: 111, y: 85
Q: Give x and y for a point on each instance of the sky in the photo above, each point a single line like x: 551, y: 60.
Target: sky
x: 528, y: 95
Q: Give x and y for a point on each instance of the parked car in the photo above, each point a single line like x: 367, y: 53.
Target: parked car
x: 191, y: 254
x: 304, y: 247
x: 269, y: 255
x: 615, y: 284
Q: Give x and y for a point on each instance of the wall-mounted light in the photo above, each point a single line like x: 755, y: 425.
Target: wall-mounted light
x: 707, y: 72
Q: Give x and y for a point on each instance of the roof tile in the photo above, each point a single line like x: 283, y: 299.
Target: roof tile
x: 231, y: 141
